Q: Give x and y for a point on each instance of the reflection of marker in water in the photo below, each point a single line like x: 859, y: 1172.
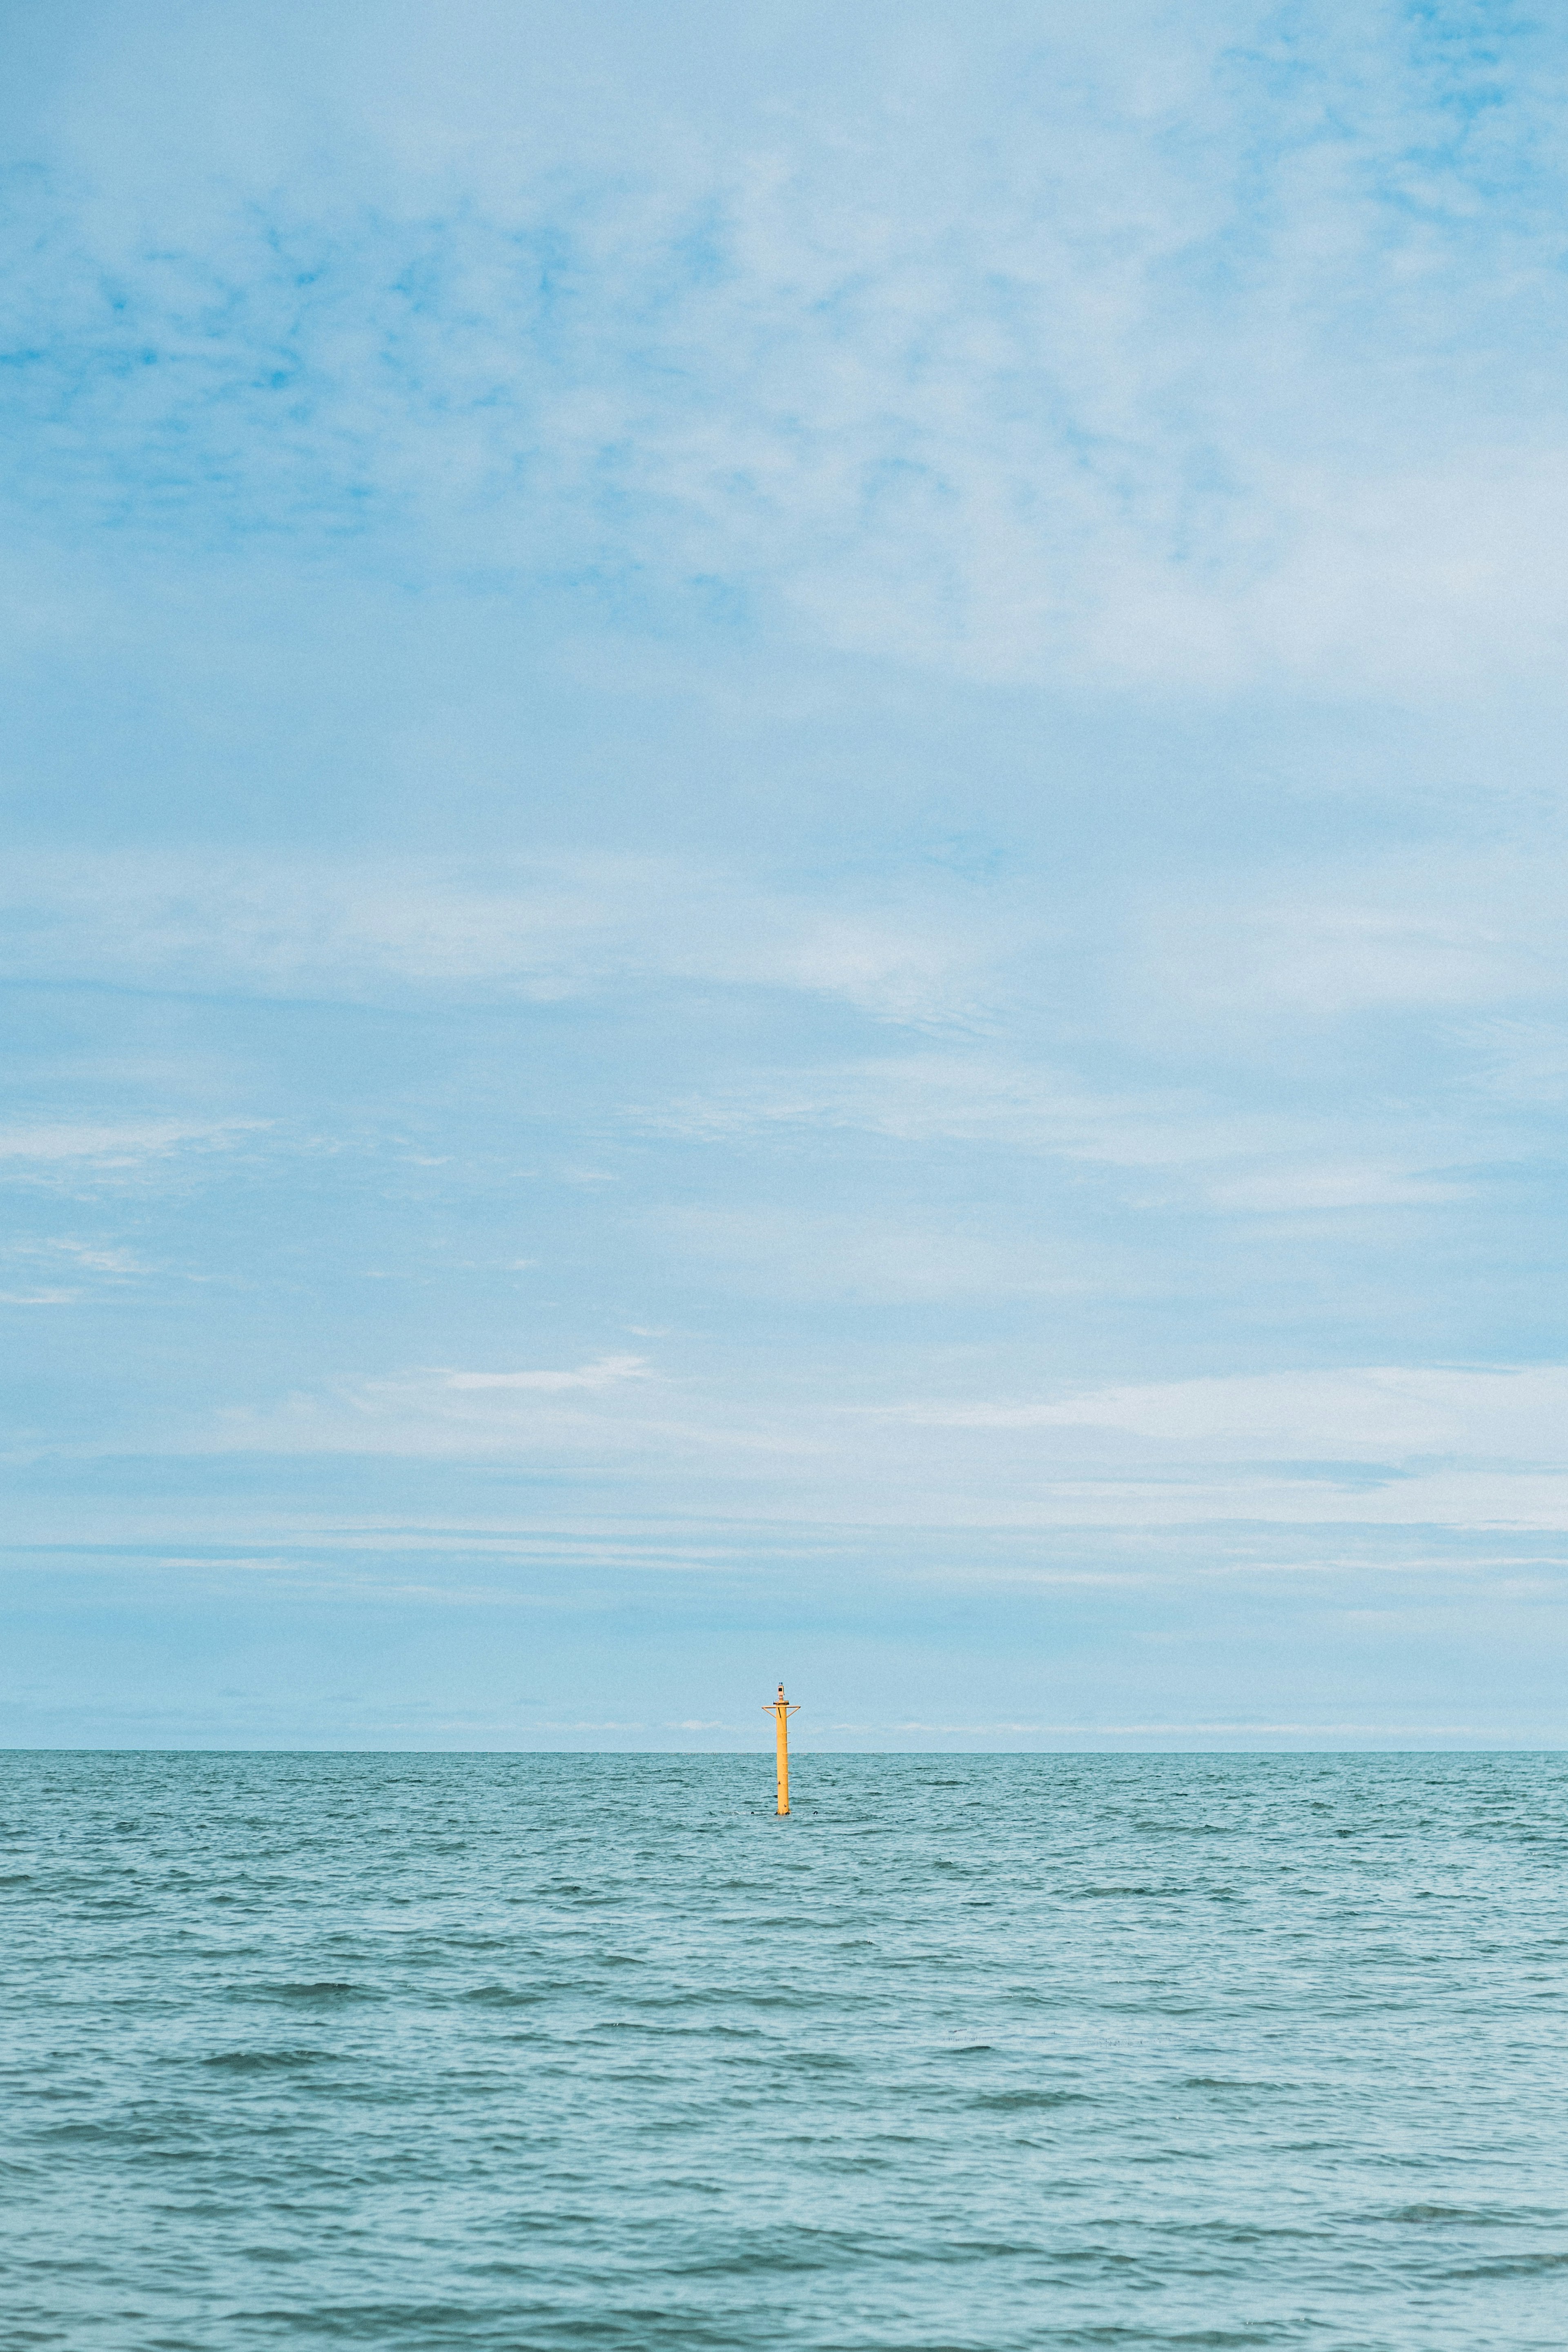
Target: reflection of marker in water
x: 781, y: 1711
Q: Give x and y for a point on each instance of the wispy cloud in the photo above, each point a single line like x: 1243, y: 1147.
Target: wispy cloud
x: 92, y: 1270
x: 603, y: 1374
x: 1376, y: 1414
x: 1204, y: 1149
x: 1425, y: 929
x: 118, y: 1144
x: 794, y: 1252
x: 1379, y: 1447
x: 540, y: 929
x: 526, y: 1414
x: 1174, y: 356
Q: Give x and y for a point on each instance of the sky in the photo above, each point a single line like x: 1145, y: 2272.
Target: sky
x: 781, y: 874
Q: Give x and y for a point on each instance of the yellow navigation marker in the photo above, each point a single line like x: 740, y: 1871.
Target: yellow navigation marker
x: 781, y: 1711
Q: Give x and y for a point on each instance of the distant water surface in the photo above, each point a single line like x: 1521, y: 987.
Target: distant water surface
x: 971, y: 2054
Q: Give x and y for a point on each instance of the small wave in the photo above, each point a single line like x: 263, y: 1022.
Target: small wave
x: 1006, y: 2100
x: 1451, y: 2214
x: 1142, y: 1893
x: 1540, y: 2265
x: 328, y: 1989
x: 261, y: 2061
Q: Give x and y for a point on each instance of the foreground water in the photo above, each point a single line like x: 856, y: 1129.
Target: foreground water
x: 417, y: 2052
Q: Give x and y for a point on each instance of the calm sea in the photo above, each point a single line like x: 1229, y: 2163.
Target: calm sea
x: 538, y: 2051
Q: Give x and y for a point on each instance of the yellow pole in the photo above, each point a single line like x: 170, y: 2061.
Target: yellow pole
x: 781, y: 1711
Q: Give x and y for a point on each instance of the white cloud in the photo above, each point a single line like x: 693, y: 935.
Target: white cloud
x: 1521, y: 1061
x: 603, y: 1374
x: 1332, y: 1184
x: 793, y: 1252
x: 1375, y: 1448
x: 94, y: 1259
x: 1440, y: 929
x: 82, y: 1260
x: 1377, y: 1415
x: 1133, y: 352
x: 539, y: 931
x: 1203, y: 1152
x: 117, y: 1144
x: 449, y: 1412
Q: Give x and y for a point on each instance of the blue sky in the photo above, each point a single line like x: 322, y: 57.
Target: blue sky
x: 783, y: 875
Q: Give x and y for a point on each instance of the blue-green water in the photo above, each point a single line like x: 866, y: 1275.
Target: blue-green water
x: 417, y: 2051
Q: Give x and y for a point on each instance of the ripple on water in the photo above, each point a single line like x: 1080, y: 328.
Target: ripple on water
x: 265, y: 2062
x: 1023, y: 2054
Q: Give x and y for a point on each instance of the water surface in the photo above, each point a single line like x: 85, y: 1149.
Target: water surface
x: 970, y: 2054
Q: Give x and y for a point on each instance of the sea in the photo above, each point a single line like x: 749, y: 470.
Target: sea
x: 593, y: 2053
